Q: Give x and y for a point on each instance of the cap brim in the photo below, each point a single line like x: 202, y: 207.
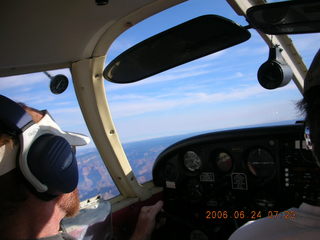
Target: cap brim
x: 74, y: 139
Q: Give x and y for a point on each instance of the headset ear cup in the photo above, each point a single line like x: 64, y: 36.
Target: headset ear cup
x: 52, y: 162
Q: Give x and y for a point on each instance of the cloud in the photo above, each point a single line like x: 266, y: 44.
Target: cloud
x: 69, y: 118
x: 251, y: 51
x: 307, y: 45
x: 183, y: 73
x: 69, y: 110
x: 190, y: 68
x: 21, y: 81
x: 210, y: 118
x: 158, y: 79
x: 179, y: 88
x: 36, y: 99
x: 213, y: 56
x: 306, y: 42
x: 64, y: 103
x: 154, y: 104
x: 42, y: 98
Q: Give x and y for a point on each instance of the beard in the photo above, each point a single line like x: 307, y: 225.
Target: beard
x: 70, y: 203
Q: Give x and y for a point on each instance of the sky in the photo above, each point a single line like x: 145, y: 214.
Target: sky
x: 215, y: 92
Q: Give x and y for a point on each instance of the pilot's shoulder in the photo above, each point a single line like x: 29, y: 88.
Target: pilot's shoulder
x: 293, y: 224
x: 251, y: 229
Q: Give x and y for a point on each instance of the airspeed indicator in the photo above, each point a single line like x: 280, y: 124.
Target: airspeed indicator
x: 192, y: 161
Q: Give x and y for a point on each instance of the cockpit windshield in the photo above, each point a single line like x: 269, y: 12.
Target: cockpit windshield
x: 214, y: 93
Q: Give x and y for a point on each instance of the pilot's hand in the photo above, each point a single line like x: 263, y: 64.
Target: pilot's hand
x: 146, y: 221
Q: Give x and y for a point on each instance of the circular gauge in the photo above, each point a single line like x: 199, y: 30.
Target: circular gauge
x: 59, y: 84
x: 191, y: 161
x: 224, y: 162
x: 261, y: 163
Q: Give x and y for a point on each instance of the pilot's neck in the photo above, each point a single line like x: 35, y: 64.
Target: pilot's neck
x: 34, y: 219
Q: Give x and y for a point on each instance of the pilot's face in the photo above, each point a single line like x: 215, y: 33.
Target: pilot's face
x: 70, y: 203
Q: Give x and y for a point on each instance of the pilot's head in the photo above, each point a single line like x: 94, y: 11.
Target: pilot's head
x: 37, y: 159
x: 311, y: 105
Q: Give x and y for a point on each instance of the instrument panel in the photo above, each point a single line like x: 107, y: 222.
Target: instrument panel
x: 247, y: 171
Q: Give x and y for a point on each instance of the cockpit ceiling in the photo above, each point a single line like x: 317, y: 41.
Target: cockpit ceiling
x: 41, y: 35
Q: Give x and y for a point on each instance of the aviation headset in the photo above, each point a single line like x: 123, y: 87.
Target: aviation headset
x: 45, y: 157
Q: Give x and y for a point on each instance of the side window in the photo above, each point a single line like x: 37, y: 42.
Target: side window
x: 33, y: 90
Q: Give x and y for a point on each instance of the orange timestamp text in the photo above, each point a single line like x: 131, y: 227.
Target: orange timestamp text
x: 249, y: 215
x: 288, y: 214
